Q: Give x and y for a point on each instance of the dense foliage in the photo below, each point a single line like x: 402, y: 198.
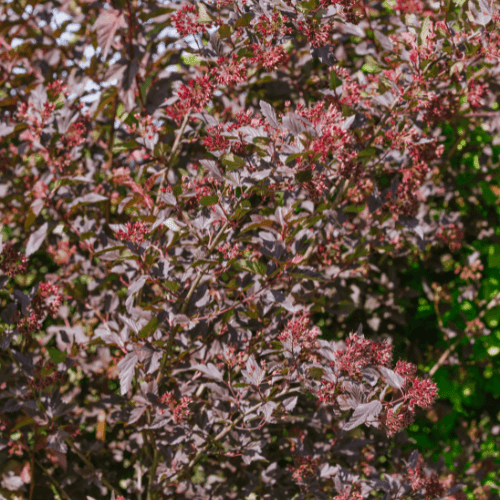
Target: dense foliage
x: 228, y: 274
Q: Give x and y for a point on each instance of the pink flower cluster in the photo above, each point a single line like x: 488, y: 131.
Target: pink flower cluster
x: 46, y: 301
x: 62, y: 253
x: 298, y: 332
x: 179, y: 409
x: 135, y: 232
x: 12, y: 263
x: 452, y: 235
x: 307, y: 466
x: 186, y: 22
x: 361, y: 352
x: 470, y: 272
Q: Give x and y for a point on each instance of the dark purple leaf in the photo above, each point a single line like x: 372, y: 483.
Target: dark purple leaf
x: 268, y: 111
x: 210, y: 370
x: 363, y: 413
x: 106, y: 25
x: 393, y: 379
x: 36, y: 239
x: 126, y: 370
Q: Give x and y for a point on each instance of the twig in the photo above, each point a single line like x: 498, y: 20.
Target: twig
x: 443, y: 357
x: 172, y: 154
x: 450, y: 349
x: 53, y: 481
x: 88, y: 463
x: 111, y: 139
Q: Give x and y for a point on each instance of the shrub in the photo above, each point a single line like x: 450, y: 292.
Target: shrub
x: 165, y: 248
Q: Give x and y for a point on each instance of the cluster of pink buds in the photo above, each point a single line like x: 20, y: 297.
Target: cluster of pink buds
x: 186, y: 21
x: 12, y: 263
x: 56, y: 87
x: 298, y: 332
x: 45, y: 375
x: 470, y: 272
x: 179, y: 409
x: 134, y: 233
x: 46, y: 301
x: 306, y: 467
x: 229, y: 251
x: 361, y: 352
x: 452, y: 235
x: 62, y: 253
x: 474, y: 327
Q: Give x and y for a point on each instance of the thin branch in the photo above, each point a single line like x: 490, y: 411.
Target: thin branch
x: 172, y: 154
x: 443, y: 357
x: 53, y: 481
x: 88, y: 463
x: 111, y: 139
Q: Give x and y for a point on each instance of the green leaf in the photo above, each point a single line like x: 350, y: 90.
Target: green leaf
x: 149, y: 328
x: 424, y: 32
x: 371, y: 65
x: 354, y: 209
x: 227, y: 315
x: 119, y: 146
x: 57, y: 356
x: 488, y: 194
x: 172, y: 285
x: 244, y: 20
x: 316, y: 373
x: 106, y: 96
x: 239, y: 213
x: 204, y: 16
x: 191, y: 59
x: 307, y: 6
x: 248, y: 265
x: 367, y: 152
x: 207, y: 201
x: 293, y: 157
x: 335, y: 81
x: 494, y: 255
x: 303, y: 176
x: 225, y: 31
x: 30, y: 218
x: 264, y: 223
x: 232, y: 162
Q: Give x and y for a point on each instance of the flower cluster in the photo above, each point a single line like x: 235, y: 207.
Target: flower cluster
x: 474, y: 327
x: 62, y: 253
x: 193, y: 97
x: 56, y: 87
x: 471, y: 271
x: 46, y: 302
x: 361, y: 352
x: 441, y: 292
x: 186, y: 21
x: 12, y: 263
x: 306, y: 467
x: 451, y: 235
x: 228, y: 251
x: 230, y: 70
x: 45, y: 375
x: 231, y: 357
x: 179, y: 409
x: 415, y: 392
x: 298, y: 332
x: 134, y: 232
